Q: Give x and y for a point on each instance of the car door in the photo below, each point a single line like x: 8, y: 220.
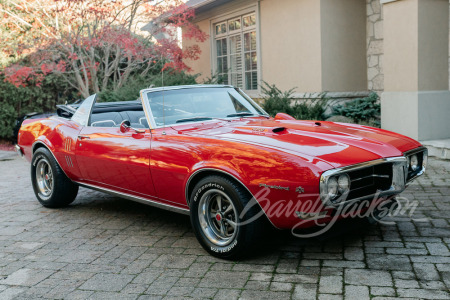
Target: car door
x: 115, y: 160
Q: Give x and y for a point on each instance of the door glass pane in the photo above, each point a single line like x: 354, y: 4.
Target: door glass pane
x: 219, y: 47
x: 224, y: 47
x: 235, y: 44
x: 235, y: 63
x: 249, y: 20
x: 248, y: 62
x: 234, y: 24
x: 225, y: 64
x: 223, y: 79
x: 221, y: 28
x: 219, y: 65
x: 254, y: 81
x: 247, y: 41
x: 248, y: 80
x: 236, y: 79
x: 250, y: 41
x: 254, y: 61
x: 253, y: 40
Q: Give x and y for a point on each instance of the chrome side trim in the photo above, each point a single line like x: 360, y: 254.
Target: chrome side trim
x: 414, y: 151
x: 60, y: 165
x: 362, y: 165
x: 180, y: 87
x: 147, y: 110
x: 135, y: 198
x: 226, y: 173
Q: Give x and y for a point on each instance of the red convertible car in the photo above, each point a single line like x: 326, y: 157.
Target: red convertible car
x: 211, y: 152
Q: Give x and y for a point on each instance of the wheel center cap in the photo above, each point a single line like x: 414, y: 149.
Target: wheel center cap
x: 218, y: 217
x: 46, y: 177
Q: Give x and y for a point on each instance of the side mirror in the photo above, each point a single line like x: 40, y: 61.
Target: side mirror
x: 283, y: 116
x: 126, y: 126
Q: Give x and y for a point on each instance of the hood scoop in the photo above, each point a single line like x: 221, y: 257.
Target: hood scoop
x: 279, y: 129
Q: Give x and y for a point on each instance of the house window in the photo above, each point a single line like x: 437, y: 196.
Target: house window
x: 236, y: 59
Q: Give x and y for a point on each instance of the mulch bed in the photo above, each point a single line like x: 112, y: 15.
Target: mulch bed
x: 6, y: 146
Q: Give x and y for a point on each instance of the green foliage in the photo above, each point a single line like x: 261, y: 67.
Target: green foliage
x: 365, y: 110
x: 214, y: 79
x: 130, y: 90
x: 276, y: 101
x: 17, y: 101
x: 7, y: 119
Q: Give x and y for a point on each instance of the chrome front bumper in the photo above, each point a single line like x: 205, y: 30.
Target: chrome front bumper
x: 18, y: 150
x: 401, y: 177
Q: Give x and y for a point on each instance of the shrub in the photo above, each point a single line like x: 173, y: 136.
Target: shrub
x: 365, y: 110
x: 130, y: 90
x: 17, y: 101
x: 7, y: 120
x: 276, y: 101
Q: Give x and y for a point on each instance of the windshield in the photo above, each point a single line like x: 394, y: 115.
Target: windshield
x: 199, y: 104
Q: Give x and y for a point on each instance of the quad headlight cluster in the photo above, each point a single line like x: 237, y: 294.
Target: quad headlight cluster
x: 336, y: 187
x: 413, y: 162
x: 386, y: 176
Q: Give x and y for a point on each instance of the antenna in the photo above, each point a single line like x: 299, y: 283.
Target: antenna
x: 164, y: 107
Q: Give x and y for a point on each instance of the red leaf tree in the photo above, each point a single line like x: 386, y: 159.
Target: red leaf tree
x: 95, y: 45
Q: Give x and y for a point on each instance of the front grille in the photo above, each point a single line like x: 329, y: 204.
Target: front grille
x: 369, y: 180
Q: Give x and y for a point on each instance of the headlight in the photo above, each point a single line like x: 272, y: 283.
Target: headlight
x: 414, y: 162
x: 332, y: 187
x: 343, y: 183
x: 424, y: 160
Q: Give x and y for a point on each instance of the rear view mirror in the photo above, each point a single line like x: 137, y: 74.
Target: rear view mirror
x: 125, y: 126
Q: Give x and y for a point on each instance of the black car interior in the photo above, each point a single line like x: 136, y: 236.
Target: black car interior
x: 112, y: 114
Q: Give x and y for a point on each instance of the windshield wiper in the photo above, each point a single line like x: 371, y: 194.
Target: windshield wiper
x: 193, y: 119
x: 242, y: 114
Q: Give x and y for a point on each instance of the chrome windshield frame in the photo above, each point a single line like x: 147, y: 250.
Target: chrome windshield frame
x: 151, y: 120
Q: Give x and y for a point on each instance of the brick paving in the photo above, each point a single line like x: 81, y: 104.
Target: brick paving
x: 102, y: 247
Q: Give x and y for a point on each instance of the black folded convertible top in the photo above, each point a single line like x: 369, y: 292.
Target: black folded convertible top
x: 67, y: 110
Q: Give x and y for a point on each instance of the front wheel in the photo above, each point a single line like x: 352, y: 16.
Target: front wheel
x: 217, y: 217
x: 51, y: 186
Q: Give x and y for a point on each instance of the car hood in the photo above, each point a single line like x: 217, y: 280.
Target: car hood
x: 339, y: 144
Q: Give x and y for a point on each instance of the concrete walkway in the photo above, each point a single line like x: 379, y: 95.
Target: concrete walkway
x: 438, y: 148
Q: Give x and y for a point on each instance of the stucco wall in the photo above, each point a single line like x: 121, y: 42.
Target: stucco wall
x: 202, y: 65
x: 375, y: 46
x: 343, y: 45
x: 291, y: 53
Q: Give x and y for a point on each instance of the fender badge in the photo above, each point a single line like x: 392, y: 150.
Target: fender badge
x: 299, y: 190
x: 277, y: 187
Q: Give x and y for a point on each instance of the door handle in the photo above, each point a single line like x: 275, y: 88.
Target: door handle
x: 83, y: 137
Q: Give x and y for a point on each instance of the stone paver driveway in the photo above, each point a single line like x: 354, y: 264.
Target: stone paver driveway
x: 103, y: 247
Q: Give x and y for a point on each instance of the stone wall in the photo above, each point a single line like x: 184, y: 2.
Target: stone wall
x: 375, y: 77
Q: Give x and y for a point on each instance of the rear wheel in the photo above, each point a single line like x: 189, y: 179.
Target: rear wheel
x: 51, y: 186
x: 217, y: 217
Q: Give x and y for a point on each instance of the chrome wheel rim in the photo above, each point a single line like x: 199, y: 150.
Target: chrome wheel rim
x: 44, y: 178
x: 218, y: 217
